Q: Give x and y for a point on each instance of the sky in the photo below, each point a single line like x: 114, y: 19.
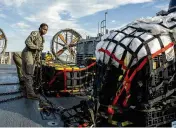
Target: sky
x: 19, y: 17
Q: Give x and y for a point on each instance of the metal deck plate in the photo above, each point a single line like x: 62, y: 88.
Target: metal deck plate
x: 25, y: 112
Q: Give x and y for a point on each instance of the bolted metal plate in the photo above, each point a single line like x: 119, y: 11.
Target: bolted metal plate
x: 48, y: 116
x: 53, y: 123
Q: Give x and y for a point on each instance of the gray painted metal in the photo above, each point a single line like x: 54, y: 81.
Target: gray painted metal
x: 25, y: 112
x: 86, y: 48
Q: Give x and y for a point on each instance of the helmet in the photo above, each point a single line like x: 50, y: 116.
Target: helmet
x: 172, y: 6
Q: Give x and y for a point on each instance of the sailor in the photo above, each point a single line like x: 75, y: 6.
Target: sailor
x: 30, y: 57
x: 48, y: 57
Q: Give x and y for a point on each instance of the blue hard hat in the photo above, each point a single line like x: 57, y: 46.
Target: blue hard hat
x: 172, y: 6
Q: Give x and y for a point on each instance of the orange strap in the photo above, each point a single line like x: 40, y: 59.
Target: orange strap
x: 163, y: 49
x: 128, y: 85
x: 54, y: 78
x: 114, y: 57
x: 127, y: 80
x: 91, y: 65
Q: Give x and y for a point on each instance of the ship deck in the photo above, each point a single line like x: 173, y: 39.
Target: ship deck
x: 25, y: 112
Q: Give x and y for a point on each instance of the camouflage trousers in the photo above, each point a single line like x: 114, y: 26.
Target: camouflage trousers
x: 28, y: 67
x: 18, y: 62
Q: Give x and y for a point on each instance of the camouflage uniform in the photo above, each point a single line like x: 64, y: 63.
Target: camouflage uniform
x: 18, y: 61
x: 34, y: 46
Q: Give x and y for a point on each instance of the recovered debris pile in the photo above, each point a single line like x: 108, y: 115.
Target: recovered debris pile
x: 137, y: 68
x: 135, y: 75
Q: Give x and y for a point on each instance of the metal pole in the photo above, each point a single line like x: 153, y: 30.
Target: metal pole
x: 105, y: 20
x: 98, y: 27
x: 102, y: 27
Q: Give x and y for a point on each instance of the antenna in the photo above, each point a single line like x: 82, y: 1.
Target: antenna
x: 105, y: 20
x: 103, y: 25
x: 98, y: 27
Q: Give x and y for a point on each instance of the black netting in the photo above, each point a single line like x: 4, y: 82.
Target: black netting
x: 152, y: 84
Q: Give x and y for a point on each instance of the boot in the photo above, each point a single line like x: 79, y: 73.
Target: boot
x: 28, y: 82
x: 22, y: 89
x: 32, y: 96
x: 30, y: 93
x: 43, y: 103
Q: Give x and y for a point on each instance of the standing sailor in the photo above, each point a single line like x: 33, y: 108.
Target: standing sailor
x: 31, y: 56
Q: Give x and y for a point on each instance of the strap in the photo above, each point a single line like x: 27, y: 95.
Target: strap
x: 127, y: 80
x: 54, y: 78
x: 122, y: 45
x: 92, y: 115
x: 136, y: 52
x: 114, y: 57
x: 108, y: 46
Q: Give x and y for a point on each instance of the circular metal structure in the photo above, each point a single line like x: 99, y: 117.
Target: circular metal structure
x: 3, y: 42
x: 63, y: 45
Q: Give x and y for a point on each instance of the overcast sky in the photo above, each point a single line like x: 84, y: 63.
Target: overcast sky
x: 19, y: 17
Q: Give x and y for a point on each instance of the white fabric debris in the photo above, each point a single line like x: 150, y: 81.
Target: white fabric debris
x: 149, y: 30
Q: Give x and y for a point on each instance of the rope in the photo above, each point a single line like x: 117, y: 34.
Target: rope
x: 39, y: 80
